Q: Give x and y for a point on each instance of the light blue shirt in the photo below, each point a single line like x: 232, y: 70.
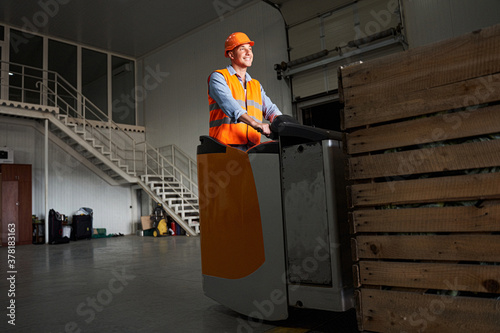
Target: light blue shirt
x: 220, y: 92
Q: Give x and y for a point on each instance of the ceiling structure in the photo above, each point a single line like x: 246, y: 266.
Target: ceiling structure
x: 128, y: 27
x: 135, y: 28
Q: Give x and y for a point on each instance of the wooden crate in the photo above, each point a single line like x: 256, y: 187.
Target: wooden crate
x: 422, y: 134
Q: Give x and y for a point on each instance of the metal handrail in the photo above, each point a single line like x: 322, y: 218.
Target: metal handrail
x: 54, y: 89
x: 191, y: 164
x: 159, y: 170
x: 46, y: 93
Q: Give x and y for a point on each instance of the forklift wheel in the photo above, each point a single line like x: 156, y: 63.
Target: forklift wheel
x: 156, y: 232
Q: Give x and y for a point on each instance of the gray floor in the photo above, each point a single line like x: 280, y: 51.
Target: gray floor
x: 129, y: 284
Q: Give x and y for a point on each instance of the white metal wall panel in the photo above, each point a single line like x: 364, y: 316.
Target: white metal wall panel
x: 339, y: 28
x: 304, y: 40
x: 329, y: 30
x: 176, y: 110
x: 315, y: 81
x: 375, y: 16
x: 429, y: 21
x: 296, y: 11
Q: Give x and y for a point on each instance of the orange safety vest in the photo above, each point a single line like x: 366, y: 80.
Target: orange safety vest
x: 221, y: 126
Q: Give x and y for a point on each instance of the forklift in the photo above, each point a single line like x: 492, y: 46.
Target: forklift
x: 274, y: 222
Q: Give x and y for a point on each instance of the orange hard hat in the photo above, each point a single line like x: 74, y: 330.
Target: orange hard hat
x: 234, y: 40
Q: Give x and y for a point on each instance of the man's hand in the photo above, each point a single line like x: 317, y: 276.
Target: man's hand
x: 263, y: 128
x: 260, y: 127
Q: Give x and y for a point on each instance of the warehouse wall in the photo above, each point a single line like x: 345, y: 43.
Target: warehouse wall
x: 429, y: 21
x: 176, y: 108
x: 71, y: 185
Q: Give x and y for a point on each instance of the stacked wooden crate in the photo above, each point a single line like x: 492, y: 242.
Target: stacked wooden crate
x: 422, y: 134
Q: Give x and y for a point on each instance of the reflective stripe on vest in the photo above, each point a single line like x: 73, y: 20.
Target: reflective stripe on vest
x: 221, y: 126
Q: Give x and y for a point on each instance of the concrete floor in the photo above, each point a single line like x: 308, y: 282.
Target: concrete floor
x: 129, y: 284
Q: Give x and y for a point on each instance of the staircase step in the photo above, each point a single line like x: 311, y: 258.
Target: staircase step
x: 193, y: 223
x: 168, y: 189
x: 184, y: 208
x: 77, y: 130
x: 160, y: 181
x: 176, y: 201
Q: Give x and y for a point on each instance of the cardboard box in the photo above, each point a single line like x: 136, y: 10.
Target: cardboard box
x: 146, y: 222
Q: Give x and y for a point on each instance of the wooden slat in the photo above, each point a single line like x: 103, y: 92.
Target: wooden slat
x: 397, y: 312
x: 474, y: 155
x: 359, y: 309
x: 371, y: 109
x: 460, y: 94
x: 479, y: 247
x: 434, y: 219
x: 448, y: 126
x: 469, y: 56
x: 452, y: 188
x: 473, y: 278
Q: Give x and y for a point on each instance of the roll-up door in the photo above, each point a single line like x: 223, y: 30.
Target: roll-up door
x: 324, y: 35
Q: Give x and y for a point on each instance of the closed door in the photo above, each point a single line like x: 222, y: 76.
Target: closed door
x: 10, y: 210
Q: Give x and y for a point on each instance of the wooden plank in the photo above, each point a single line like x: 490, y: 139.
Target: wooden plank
x: 475, y: 122
x: 359, y: 309
x: 372, y: 109
x: 356, y: 276
x: 434, y: 219
x: 468, y: 56
x: 463, y: 93
x: 475, y: 247
x: 451, y: 188
x: 397, y: 312
x: 474, y: 155
x: 473, y: 278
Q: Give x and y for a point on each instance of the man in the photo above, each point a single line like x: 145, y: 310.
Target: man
x: 237, y: 102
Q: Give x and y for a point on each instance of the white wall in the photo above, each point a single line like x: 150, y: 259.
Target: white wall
x: 71, y: 184
x: 429, y: 21
x: 176, y: 108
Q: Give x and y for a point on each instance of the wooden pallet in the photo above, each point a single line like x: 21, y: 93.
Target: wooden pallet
x: 422, y: 134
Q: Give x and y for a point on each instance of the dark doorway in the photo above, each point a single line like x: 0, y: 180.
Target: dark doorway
x: 326, y: 116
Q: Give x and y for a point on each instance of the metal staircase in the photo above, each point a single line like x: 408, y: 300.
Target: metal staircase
x: 107, y: 148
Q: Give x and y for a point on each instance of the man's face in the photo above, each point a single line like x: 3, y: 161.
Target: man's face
x: 242, y: 55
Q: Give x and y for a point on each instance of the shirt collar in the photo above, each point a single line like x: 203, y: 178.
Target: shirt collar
x: 233, y: 72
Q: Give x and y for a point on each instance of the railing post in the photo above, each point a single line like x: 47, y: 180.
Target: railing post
x: 22, y: 84
x: 41, y: 92
x: 183, y: 214
x: 56, y: 95
x: 158, y: 161
x: 110, y: 141
x: 173, y: 155
x: 145, y: 158
x: 190, y: 176
x: 83, y: 113
x: 134, y: 157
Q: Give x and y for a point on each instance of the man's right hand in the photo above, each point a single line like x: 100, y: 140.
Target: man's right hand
x: 260, y: 127
x: 263, y: 128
